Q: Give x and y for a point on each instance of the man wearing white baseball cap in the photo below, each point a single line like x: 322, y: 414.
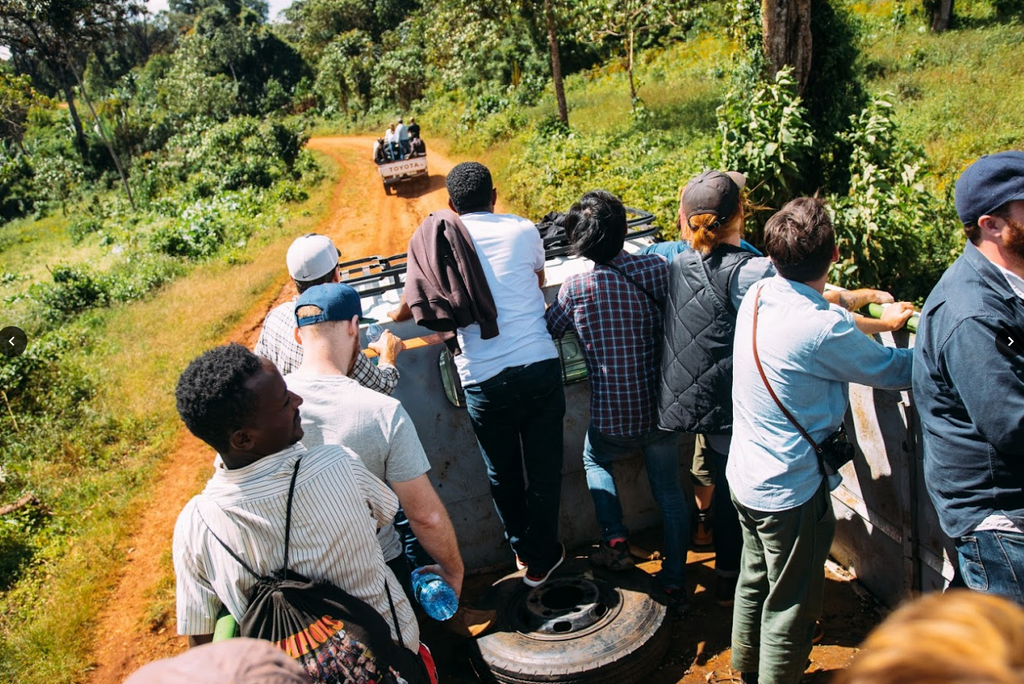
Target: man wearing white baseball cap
x: 313, y: 260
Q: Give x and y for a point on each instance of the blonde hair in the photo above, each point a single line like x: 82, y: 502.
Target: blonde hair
x: 699, y: 231
x: 960, y: 637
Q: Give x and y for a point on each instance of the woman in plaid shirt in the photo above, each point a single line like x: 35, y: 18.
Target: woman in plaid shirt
x: 615, y: 310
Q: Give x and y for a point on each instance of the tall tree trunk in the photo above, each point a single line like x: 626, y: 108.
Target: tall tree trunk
x: 103, y: 134
x: 632, y: 84
x: 942, y: 15
x: 787, y: 37
x: 69, y: 97
x: 556, y: 63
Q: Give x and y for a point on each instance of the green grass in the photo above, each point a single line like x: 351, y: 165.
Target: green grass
x: 958, y: 94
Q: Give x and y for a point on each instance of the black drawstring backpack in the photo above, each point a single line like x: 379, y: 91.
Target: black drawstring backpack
x: 337, y: 637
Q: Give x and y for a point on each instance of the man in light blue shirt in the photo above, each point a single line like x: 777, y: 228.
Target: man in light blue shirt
x: 809, y: 350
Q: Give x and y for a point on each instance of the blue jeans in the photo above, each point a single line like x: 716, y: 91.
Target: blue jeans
x: 992, y: 561
x: 661, y: 455
x: 517, y: 416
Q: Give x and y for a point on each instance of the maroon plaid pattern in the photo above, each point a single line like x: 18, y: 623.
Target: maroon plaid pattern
x: 621, y: 331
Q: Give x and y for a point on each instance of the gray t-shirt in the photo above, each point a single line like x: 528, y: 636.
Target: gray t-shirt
x: 338, y: 410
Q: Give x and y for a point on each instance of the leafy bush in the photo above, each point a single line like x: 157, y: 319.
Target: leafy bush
x: 79, y: 228
x: 17, y: 196
x: 765, y: 136
x: 243, y: 152
x: 74, y: 290
x: 136, y: 278
x: 893, y: 234
x: 197, y: 234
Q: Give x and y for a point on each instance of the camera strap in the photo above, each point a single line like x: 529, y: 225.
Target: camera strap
x: 764, y: 378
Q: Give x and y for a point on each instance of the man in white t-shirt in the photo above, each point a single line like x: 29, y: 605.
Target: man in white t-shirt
x: 337, y: 410
x: 513, y: 382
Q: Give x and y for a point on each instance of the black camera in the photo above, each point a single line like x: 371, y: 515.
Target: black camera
x: 835, y: 452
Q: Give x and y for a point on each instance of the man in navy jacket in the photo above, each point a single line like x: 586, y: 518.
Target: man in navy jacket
x: 969, y: 380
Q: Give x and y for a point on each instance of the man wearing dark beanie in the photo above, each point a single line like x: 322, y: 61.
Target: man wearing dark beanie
x: 969, y: 380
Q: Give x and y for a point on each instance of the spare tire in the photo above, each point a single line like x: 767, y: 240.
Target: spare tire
x: 587, y: 626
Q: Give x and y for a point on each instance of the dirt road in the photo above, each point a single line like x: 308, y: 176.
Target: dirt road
x: 362, y: 221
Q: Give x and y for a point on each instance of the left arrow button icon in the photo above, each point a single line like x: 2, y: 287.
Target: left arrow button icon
x: 17, y: 340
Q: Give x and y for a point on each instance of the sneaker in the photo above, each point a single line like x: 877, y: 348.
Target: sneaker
x: 703, y: 528
x: 520, y: 565
x: 678, y: 603
x: 613, y: 554
x: 725, y: 590
x: 535, y: 577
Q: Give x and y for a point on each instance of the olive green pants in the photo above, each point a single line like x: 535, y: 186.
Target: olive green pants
x: 779, y: 592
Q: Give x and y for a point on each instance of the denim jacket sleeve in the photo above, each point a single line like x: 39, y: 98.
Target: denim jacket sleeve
x: 990, y: 383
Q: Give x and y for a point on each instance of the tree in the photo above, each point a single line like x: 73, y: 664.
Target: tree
x: 556, y: 61
x: 942, y: 14
x: 787, y: 38
x: 16, y: 96
x: 344, y: 71
x: 627, y: 20
x: 56, y: 36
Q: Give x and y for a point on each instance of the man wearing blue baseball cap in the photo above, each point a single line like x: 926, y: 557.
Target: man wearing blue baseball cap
x: 338, y: 410
x: 969, y: 380
x: 313, y: 260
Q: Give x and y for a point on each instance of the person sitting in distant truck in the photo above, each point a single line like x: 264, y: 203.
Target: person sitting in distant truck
x: 379, y: 155
x: 414, y: 128
x: 615, y: 310
x: 417, y: 147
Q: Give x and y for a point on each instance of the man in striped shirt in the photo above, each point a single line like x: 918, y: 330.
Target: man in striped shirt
x: 313, y: 260
x: 239, y: 404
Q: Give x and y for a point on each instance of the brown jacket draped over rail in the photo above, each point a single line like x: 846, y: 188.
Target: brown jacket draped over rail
x: 445, y: 286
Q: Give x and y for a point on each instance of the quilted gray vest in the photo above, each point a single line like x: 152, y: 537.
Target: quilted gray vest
x: 696, y: 362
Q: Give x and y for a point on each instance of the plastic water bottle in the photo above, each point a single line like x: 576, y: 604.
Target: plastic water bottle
x: 433, y: 593
x: 374, y: 331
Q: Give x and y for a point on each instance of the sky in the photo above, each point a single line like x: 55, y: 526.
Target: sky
x: 276, y: 6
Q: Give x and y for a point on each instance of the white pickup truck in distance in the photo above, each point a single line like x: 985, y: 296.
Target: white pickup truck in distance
x: 412, y: 169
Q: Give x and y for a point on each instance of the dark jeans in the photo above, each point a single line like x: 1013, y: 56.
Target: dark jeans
x: 517, y: 416
x: 728, y: 539
x: 661, y: 456
x: 992, y: 561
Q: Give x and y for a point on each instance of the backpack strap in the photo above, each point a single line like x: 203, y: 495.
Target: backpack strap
x: 207, y: 507
x: 208, y: 510
x: 288, y: 513
x: 394, y: 615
